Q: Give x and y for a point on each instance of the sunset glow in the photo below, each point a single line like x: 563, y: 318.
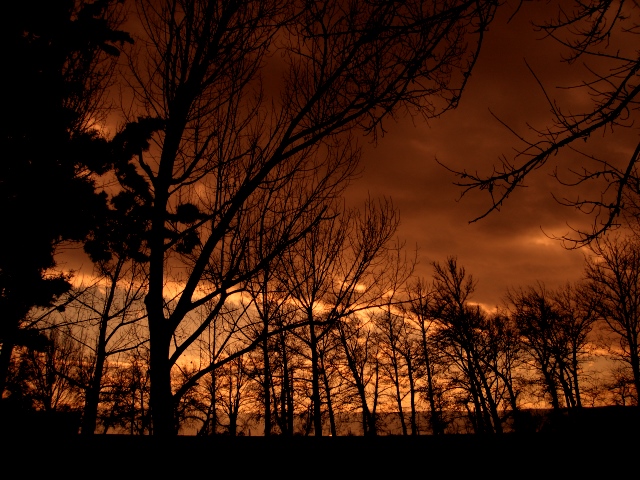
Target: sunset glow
x: 321, y: 218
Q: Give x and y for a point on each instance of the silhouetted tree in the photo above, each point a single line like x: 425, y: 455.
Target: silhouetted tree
x: 49, y: 374
x: 330, y: 358
x: 245, y: 149
x: 227, y: 327
x: 231, y: 388
x: 337, y: 270
x: 398, y: 362
x: 465, y: 337
x: 270, y: 302
x: 537, y: 320
x: 602, y: 35
x: 311, y: 267
x: 107, y: 318
x: 420, y: 310
x: 60, y: 55
x: 124, y: 405
x: 614, y: 279
x: 578, y: 312
x: 507, y: 362
x: 285, y: 363
x: 361, y: 357
x: 555, y: 327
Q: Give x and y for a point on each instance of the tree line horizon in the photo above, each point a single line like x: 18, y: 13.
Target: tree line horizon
x: 229, y: 274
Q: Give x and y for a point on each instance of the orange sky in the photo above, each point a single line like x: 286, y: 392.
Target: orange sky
x: 508, y: 248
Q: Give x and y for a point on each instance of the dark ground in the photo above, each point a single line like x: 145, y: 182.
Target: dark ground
x: 607, y: 449
x: 455, y: 456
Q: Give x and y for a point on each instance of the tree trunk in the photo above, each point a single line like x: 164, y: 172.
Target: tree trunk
x: 634, y: 359
x: 161, y: 397
x: 551, y: 388
x: 396, y: 383
x: 90, y: 414
x: 412, y: 394
x: 434, y: 415
x: 266, y: 383
x: 478, y: 410
x: 574, y: 373
x: 290, y: 410
x: 286, y: 395
x: 332, y: 420
x: 368, y: 419
x: 491, y: 403
x: 315, y: 378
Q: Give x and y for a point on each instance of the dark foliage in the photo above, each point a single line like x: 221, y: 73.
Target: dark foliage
x: 57, y: 59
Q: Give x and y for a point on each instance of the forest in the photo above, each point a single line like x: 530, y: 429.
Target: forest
x: 233, y: 292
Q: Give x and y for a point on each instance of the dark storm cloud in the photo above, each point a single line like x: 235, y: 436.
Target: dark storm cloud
x: 511, y: 247
x: 508, y: 248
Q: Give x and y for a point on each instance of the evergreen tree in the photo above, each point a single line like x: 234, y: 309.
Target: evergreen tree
x: 58, y: 63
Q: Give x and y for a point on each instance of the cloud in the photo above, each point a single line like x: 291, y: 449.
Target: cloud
x: 511, y: 247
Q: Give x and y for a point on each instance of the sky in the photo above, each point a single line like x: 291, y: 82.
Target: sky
x: 507, y: 249
x: 513, y: 247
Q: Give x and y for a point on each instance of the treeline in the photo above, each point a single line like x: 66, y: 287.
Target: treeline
x: 200, y: 157
x: 339, y: 329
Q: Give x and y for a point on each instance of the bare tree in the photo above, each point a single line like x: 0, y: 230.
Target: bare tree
x: 614, y: 279
x: 49, y: 373
x: 231, y: 391
x: 537, y: 320
x: 124, y: 405
x: 254, y: 102
x: 229, y: 326
x: 420, y: 311
x: 338, y: 269
x: 602, y: 35
x: 506, y: 361
x: 396, y: 364
x: 555, y: 327
x: 105, y: 320
x: 92, y: 326
x: 287, y: 364
x: 464, y: 336
x: 361, y: 356
x: 311, y: 268
x: 578, y: 312
x: 270, y: 300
